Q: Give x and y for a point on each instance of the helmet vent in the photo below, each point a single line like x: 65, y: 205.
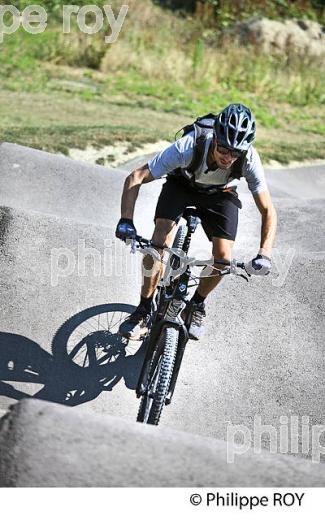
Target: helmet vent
x: 231, y: 135
x: 244, y: 124
x: 241, y: 137
x: 233, y: 120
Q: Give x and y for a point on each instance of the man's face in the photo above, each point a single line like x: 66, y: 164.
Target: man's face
x: 223, y: 158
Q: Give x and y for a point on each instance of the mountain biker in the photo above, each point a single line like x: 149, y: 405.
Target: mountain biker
x: 212, y: 190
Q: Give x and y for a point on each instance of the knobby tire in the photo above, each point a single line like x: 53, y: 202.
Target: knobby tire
x: 159, y: 378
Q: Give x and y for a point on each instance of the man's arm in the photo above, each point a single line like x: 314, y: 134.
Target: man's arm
x: 177, y: 155
x: 131, y: 190
x: 269, y: 221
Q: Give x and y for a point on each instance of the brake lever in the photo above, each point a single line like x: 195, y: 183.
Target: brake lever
x: 247, y: 273
x: 246, y: 276
x: 243, y: 276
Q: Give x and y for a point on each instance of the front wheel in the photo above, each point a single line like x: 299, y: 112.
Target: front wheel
x: 159, y: 377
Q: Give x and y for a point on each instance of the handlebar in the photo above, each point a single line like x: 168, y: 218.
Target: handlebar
x: 140, y: 242
x: 144, y: 243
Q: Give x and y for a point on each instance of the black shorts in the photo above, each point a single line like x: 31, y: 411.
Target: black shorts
x: 219, y: 215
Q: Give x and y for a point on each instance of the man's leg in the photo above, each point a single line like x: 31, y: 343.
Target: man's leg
x: 172, y: 201
x: 163, y: 235
x: 221, y: 250
x: 136, y: 325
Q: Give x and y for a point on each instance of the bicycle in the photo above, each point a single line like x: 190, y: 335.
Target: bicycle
x: 168, y: 331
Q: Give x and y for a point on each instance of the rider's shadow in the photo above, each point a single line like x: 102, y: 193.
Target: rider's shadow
x: 88, y: 357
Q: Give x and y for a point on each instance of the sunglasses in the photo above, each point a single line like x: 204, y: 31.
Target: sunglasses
x: 229, y: 151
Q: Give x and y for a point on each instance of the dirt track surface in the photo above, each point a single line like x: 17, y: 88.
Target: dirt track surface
x: 263, y: 353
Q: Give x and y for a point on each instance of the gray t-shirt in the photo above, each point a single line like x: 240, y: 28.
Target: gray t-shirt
x: 180, y: 154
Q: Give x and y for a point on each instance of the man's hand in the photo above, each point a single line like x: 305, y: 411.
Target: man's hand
x: 125, y: 229
x: 260, y: 265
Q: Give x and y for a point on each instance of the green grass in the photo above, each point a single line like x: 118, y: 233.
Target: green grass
x: 56, y: 123
x: 59, y: 92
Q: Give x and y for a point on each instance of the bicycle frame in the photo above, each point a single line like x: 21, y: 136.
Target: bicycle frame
x: 177, y: 293
x: 173, y: 291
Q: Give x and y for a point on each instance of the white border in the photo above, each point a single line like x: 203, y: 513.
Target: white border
x: 140, y: 503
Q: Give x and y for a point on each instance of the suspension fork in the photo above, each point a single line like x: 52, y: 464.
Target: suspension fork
x: 151, y: 341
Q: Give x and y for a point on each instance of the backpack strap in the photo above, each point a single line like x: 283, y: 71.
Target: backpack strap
x: 200, y: 129
x: 198, y: 153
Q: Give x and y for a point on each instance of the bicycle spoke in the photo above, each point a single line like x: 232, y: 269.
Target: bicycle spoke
x: 119, y: 321
x: 84, y: 324
x: 109, y: 325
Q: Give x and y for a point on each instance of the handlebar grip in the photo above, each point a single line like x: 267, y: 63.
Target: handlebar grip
x: 223, y: 272
x: 142, y: 240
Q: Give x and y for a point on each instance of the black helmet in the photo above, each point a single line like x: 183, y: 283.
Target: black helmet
x: 235, y: 127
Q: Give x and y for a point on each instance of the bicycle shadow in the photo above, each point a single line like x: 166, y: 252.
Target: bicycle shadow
x: 24, y: 361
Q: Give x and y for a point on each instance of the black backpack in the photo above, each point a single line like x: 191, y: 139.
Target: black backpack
x: 203, y: 125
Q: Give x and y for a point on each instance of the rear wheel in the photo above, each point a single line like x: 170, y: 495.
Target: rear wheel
x: 159, y: 377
